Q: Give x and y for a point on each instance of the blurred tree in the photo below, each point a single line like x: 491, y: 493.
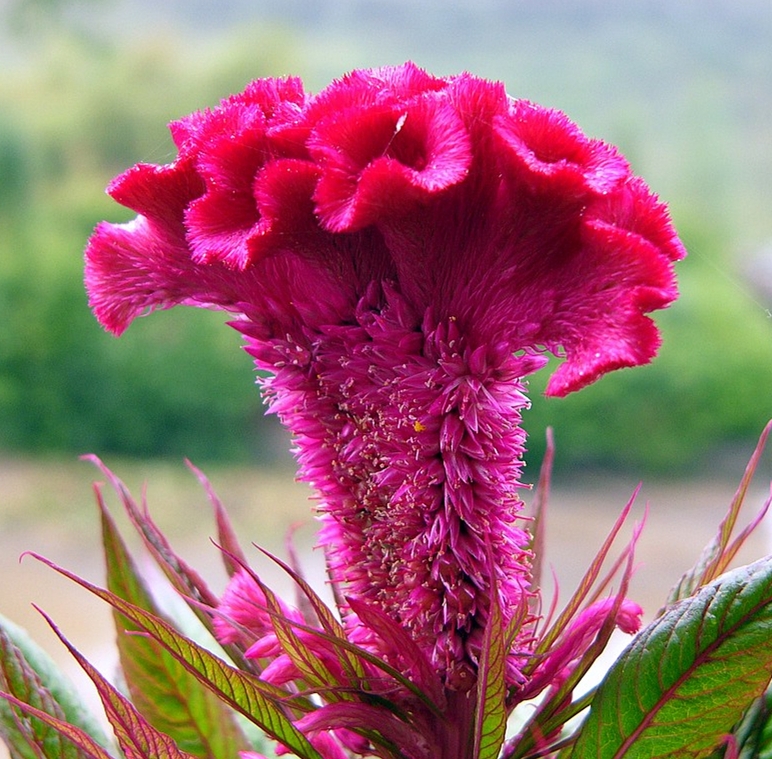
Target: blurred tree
x: 78, y: 106
x: 28, y: 19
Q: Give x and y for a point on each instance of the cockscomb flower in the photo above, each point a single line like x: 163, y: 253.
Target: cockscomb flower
x: 401, y: 251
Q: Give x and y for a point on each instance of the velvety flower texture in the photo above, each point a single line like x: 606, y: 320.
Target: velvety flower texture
x: 402, y: 251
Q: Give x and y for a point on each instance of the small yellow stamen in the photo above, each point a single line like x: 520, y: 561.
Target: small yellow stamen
x: 418, y: 426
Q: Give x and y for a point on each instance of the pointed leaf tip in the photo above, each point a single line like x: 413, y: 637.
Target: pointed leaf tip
x: 83, y: 744
x: 263, y: 704
x: 28, y: 673
x: 721, y: 550
x: 137, y: 738
x: 166, y: 694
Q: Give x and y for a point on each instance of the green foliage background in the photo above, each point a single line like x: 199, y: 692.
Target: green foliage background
x: 85, y: 93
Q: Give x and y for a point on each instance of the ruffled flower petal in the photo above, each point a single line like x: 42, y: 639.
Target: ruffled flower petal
x: 383, y: 86
x: 231, y: 146
x: 381, y: 161
x: 145, y: 264
x: 494, y: 211
x: 550, y: 153
x: 628, y: 248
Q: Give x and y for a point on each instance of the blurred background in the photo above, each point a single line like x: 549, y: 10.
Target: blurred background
x: 86, y: 89
x: 88, y: 86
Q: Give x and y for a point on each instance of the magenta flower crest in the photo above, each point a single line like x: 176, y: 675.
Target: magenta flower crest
x: 401, y: 251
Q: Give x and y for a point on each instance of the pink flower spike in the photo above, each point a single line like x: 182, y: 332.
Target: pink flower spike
x: 244, y: 603
x: 233, y: 144
x: 400, y: 252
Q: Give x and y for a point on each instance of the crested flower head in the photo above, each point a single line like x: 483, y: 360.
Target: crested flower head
x: 401, y: 251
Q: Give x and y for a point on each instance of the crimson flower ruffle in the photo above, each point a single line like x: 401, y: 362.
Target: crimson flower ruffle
x: 401, y: 251
x: 496, y: 212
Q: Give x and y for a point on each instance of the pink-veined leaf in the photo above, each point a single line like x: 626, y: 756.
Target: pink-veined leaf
x: 541, y: 733
x: 305, y: 659
x: 582, y: 593
x: 491, y: 715
x: 415, y: 662
x: 182, y: 577
x: 311, y: 666
x: 687, y: 679
x: 392, y: 675
x: 179, y: 573
x: 26, y: 736
x: 340, y: 643
x: 351, y: 656
x: 380, y: 726
x: 137, y: 738
x: 226, y: 535
x: 265, y: 705
x: 541, y: 500
x: 77, y: 737
x: 167, y: 695
x: 23, y: 663
x: 301, y: 598
x: 350, y: 663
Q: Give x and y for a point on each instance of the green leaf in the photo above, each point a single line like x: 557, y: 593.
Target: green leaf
x: 491, y: 717
x: 350, y: 663
x: 689, y: 677
x: 262, y: 703
x: 410, y: 659
x: 351, y: 656
x: 185, y: 580
x: 167, y: 695
x: 137, y: 738
x: 313, y: 670
x: 559, y: 705
x: 589, y: 587
x: 29, y: 674
x: 754, y: 733
x: 25, y: 735
x: 79, y: 738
